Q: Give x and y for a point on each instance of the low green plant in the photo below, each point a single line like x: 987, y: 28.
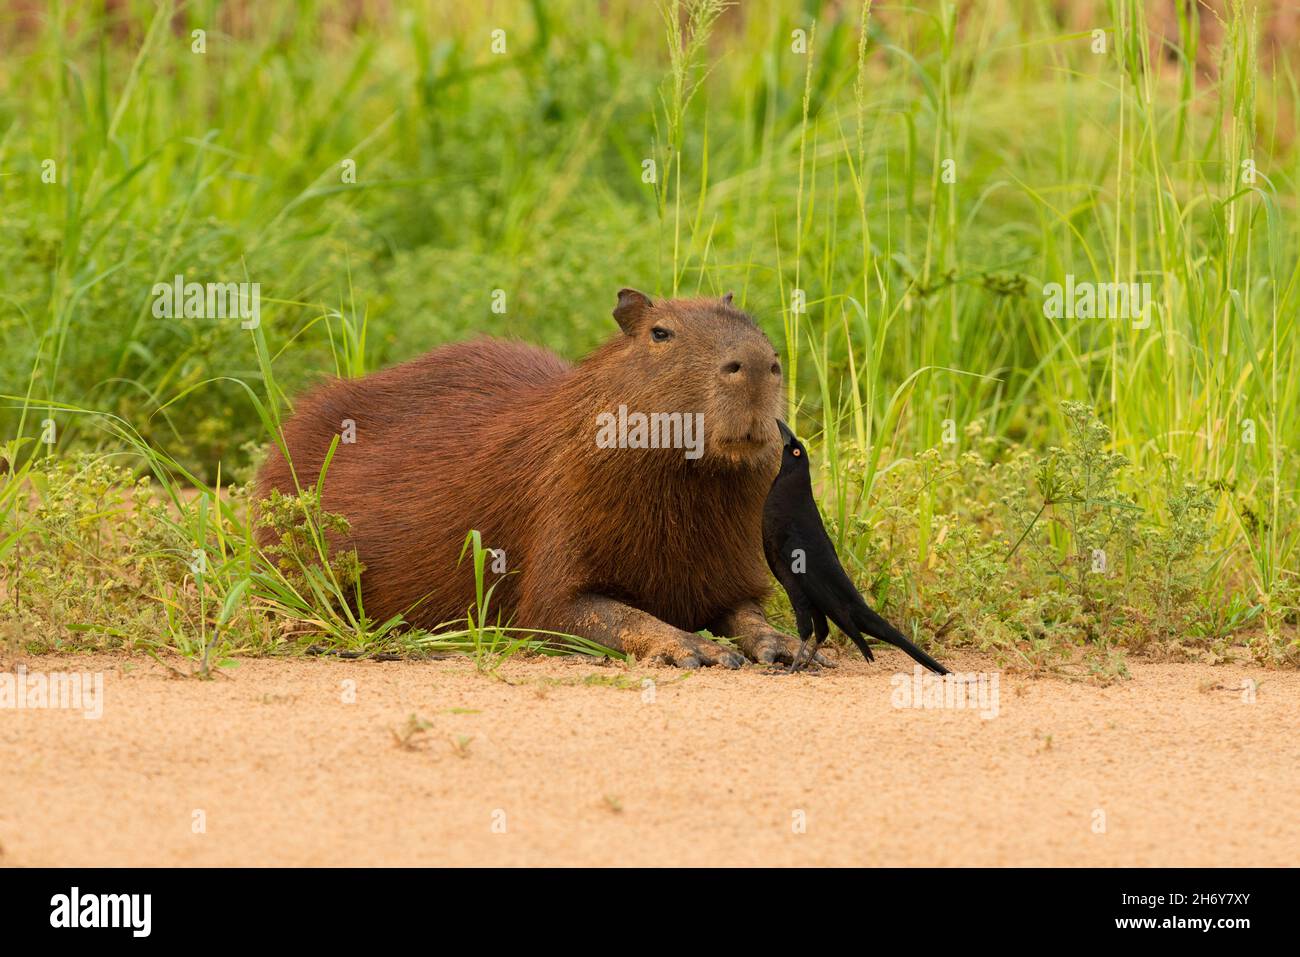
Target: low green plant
x: 1045, y: 558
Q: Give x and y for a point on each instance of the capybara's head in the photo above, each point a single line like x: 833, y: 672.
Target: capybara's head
x: 702, y: 357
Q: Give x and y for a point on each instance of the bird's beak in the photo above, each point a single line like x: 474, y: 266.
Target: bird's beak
x: 787, y: 436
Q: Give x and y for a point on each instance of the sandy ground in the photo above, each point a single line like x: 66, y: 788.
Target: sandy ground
x: 296, y: 763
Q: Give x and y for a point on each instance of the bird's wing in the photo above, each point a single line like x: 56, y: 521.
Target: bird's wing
x: 828, y: 587
x: 780, y: 559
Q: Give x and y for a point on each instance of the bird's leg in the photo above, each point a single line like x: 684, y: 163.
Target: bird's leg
x: 802, y: 655
x: 803, y: 618
x: 812, y: 627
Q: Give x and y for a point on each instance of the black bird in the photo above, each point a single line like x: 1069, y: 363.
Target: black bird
x: 802, y: 558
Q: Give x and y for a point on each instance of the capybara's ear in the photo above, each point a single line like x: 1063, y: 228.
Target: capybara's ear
x: 632, y: 307
x: 726, y: 300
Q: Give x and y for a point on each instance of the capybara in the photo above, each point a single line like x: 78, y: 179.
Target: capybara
x: 636, y: 548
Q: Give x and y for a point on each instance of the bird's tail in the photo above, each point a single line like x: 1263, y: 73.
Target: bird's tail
x: 877, y: 627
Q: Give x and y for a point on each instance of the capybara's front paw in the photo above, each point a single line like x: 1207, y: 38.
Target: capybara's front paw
x: 692, y: 651
x: 771, y: 647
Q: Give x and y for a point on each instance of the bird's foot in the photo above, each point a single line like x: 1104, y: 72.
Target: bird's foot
x: 771, y: 647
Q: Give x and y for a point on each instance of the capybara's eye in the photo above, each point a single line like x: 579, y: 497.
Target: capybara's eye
x: 660, y: 334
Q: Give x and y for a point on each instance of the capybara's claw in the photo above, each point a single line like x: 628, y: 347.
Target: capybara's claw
x: 732, y: 660
x: 774, y: 648
x: 766, y: 648
x: 691, y: 651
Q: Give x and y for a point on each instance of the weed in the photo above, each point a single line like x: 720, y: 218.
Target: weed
x: 410, y: 736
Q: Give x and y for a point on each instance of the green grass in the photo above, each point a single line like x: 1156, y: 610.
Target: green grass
x: 904, y: 290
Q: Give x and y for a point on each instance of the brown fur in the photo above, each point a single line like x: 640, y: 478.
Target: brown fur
x: 634, y: 548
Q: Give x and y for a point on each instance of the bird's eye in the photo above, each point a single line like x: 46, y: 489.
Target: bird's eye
x: 660, y: 334
x: 794, y: 452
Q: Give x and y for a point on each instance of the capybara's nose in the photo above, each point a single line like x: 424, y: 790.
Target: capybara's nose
x: 749, y: 362
x: 751, y: 368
